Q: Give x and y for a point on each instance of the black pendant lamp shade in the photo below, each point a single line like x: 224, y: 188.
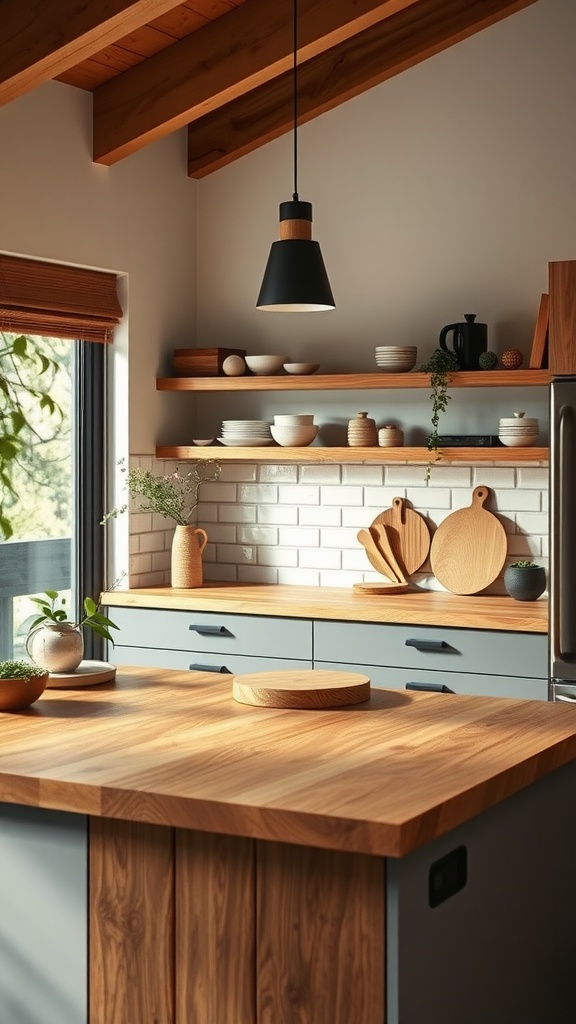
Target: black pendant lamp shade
x: 295, y: 279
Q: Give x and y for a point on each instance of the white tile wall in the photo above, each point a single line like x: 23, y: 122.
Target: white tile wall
x: 298, y: 524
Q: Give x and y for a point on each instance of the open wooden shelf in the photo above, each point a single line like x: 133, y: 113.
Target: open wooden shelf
x: 316, y: 453
x: 355, y: 381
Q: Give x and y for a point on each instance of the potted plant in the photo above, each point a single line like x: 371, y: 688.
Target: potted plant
x: 56, y: 642
x: 174, y: 496
x: 440, y: 365
x: 21, y: 391
x: 525, y: 580
x: 21, y: 683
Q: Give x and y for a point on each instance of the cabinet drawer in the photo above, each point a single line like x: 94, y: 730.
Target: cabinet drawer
x: 470, y: 683
x: 235, y: 664
x: 213, y: 632
x: 434, y: 647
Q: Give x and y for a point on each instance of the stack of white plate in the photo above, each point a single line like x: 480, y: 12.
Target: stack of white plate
x: 245, y: 433
x: 518, y: 431
x: 395, y: 358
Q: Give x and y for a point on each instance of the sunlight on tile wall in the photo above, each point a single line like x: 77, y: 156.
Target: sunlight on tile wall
x: 298, y: 524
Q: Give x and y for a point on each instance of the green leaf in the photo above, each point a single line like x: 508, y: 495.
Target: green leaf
x: 52, y: 594
x: 100, y: 630
x: 6, y: 527
x: 8, y: 450
x: 20, y: 346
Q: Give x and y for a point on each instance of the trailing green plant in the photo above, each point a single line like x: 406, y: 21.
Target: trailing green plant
x: 21, y: 392
x: 440, y: 365
x: 20, y: 669
x: 52, y: 608
x: 174, y: 496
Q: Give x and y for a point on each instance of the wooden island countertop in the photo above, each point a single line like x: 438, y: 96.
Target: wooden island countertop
x: 174, y: 749
x: 415, y: 607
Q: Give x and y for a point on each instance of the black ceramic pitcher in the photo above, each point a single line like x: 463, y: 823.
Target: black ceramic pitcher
x: 469, y: 340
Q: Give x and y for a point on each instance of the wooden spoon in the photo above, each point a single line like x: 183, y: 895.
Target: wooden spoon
x: 380, y: 534
x: 375, y: 556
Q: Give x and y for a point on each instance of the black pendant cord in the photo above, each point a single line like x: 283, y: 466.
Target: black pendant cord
x: 295, y: 97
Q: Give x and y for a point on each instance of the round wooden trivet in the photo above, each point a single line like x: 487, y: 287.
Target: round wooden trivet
x: 381, y: 588
x: 305, y: 688
x: 88, y: 673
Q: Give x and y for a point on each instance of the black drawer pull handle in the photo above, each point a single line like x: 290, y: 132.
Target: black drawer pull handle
x: 430, y: 687
x: 195, y: 667
x: 210, y: 630
x: 427, y: 645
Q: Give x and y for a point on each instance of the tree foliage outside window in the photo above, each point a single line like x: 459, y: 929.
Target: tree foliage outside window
x: 35, y: 437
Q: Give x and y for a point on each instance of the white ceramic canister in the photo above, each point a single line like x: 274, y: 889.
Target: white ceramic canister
x: 390, y: 436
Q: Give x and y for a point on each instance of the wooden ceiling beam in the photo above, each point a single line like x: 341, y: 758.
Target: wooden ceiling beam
x: 39, y: 40
x: 373, y: 56
x: 218, y: 63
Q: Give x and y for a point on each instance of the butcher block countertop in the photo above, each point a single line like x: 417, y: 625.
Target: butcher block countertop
x: 173, y: 748
x: 415, y: 607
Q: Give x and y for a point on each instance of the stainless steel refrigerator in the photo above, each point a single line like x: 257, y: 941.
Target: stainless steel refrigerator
x: 562, y: 567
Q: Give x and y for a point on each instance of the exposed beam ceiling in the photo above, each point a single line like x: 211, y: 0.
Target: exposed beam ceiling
x: 222, y: 67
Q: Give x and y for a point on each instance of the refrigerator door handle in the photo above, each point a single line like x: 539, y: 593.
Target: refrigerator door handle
x: 565, y: 698
x: 565, y: 625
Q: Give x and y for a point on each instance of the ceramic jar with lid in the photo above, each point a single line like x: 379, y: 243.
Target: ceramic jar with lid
x: 362, y: 432
x: 518, y: 431
x: 390, y: 436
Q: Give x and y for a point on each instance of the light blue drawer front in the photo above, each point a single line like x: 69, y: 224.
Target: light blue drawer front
x: 213, y: 632
x: 235, y: 664
x: 434, y: 647
x: 476, y: 685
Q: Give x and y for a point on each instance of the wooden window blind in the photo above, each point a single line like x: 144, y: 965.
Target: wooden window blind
x: 57, y: 301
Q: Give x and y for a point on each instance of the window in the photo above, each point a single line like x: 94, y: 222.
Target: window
x: 57, y: 542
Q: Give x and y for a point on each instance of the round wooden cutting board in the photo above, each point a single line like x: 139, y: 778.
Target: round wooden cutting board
x: 408, y: 534
x: 306, y: 688
x: 468, y: 549
x: 88, y: 673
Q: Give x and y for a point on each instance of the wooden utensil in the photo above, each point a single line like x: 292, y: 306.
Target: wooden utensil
x: 375, y: 556
x: 380, y: 534
x: 408, y: 534
x: 468, y: 549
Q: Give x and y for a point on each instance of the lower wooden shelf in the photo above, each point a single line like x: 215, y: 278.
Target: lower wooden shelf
x: 316, y: 453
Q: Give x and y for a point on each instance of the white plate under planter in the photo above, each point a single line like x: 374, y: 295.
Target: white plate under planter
x: 88, y: 673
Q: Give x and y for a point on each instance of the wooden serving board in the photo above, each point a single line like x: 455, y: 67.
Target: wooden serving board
x: 88, y: 673
x: 307, y: 689
x: 468, y: 549
x: 381, y: 588
x: 408, y: 534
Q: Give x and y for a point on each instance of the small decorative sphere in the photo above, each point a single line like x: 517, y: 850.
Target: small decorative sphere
x: 488, y: 361
x: 234, y: 366
x: 512, y: 358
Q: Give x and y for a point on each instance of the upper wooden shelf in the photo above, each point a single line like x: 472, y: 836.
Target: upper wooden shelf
x: 355, y: 381
x: 317, y: 453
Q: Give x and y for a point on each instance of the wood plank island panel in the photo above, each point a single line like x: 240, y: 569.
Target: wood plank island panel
x: 317, y: 454
x: 354, y: 381
x: 415, y: 607
x: 174, y: 749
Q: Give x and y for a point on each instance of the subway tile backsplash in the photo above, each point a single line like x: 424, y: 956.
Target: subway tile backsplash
x: 297, y: 524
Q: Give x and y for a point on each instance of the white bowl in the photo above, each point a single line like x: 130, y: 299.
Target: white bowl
x: 304, y: 368
x: 203, y: 441
x: 264, y: 365
x: 297, y: 436
x: 518, y: 441
x: 294, y: 420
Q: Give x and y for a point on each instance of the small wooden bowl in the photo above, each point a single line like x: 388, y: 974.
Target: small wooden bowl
x: 18, y: 694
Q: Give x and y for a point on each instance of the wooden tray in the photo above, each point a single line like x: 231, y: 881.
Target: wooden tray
x: 308, y: 689
x: 88, y: 673
x: 381, y: 588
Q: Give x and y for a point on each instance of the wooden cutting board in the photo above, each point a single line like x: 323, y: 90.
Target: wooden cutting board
x: 408, y: 534
x: 304, y: 688
x: 468, y: 549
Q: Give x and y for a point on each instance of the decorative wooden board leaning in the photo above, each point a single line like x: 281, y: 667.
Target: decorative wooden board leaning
x: 468, y: 549
x: 305, y: 689
x: 408, y: 534
x: 88, y: 673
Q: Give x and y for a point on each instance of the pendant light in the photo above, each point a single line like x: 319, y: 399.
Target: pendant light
x: 295, y: 279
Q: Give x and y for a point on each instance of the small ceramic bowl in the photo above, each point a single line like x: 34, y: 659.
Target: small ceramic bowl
x: 201, y: 442
x: 294, y: 420
x: 298, y: 436
x: 265, y: 365
x: 302, y: 368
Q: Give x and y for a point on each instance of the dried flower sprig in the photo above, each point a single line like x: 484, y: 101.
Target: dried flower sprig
x: 174, y: 496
